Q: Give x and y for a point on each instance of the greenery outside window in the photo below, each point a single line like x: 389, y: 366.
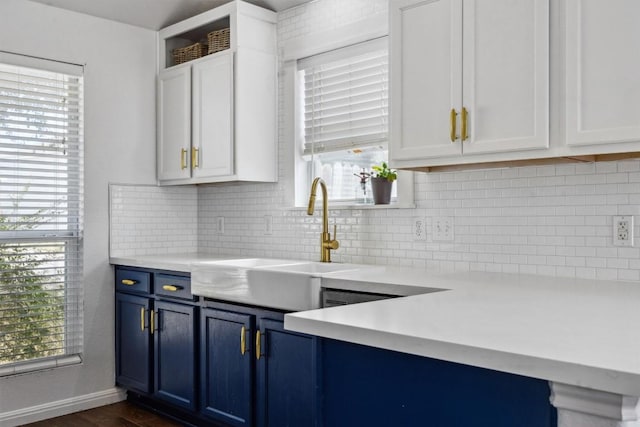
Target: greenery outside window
x: 41, y: 174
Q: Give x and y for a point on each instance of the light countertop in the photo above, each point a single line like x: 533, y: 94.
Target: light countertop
x: 172, y: 262
x: 573, y: 331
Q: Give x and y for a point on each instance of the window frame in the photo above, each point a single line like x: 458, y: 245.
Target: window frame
x: 70, y: 239
x: 295, y: 169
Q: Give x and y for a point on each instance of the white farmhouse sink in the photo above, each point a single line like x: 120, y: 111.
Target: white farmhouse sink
x: 282, y: 284
x: 314, y: 268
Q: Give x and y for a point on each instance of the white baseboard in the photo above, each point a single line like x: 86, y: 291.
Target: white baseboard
x: 61, y: 407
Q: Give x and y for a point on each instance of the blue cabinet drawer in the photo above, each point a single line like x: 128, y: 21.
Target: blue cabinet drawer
x: 173, y: 286
x: 133, y: 281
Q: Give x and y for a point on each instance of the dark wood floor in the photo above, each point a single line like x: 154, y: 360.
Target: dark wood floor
x: 121, y: 414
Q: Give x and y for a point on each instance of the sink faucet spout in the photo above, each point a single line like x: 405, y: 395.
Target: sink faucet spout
x: 327, y: 244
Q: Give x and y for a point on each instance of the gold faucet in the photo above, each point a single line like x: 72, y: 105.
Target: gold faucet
x: 326, y: 243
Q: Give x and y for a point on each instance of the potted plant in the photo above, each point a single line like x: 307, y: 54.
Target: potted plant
x: 382, y: 182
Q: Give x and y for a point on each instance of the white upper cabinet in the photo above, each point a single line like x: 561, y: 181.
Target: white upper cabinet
x: 426, y: 77
x: 505, y: 75
x: 213, y: 117
x: 174, y: 124
x: 469, y: 77
x: 217, y: 112
x: 602, y: 72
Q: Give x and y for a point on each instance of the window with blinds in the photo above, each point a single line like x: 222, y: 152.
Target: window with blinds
x: 41, y: 171
x: 343, y: 99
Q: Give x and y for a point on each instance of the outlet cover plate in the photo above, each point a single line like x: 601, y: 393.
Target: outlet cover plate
x: 623, y: 230
x: 268, y: 225
x: 419, y: 229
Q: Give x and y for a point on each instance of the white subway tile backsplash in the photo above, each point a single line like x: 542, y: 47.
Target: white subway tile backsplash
x: 148, y: 220
x: 532, y: 226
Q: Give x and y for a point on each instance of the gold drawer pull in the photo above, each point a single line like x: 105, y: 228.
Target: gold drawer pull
x: 142, y: 319
x: 153, y: 321
x: 258, y: 345
x: 171, y: 288
x: 129, y: 282
x: 243, y: 341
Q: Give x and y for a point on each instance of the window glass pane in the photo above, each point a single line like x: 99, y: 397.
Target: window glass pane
x: 41, y: 135
x: 347, y: 173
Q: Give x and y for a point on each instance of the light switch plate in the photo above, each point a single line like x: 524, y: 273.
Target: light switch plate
x: 442, y: 229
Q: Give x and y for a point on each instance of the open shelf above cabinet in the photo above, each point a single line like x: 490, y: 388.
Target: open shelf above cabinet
x: 190, y: 37
x: 246, y: 22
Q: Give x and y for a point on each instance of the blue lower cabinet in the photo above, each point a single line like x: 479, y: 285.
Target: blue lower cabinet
x: 133, y: 343
x: 253, y: 372
x: 374, y: 387
x: 287, y: 386
x: 175, y: 354
x: 227, y: 366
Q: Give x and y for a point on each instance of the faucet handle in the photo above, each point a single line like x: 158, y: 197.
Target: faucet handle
x: 333, y: 243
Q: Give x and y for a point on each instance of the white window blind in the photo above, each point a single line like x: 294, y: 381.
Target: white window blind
x: 345, y: 98
x: 41, y: 172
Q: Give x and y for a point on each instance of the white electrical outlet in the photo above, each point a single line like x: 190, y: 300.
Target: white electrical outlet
x: 268, y: 225
x: 442, y: 229
x: 623, y: 231
x: 220, y: 225
x: 419, y: 229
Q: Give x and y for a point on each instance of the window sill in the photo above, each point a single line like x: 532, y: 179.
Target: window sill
x: 338, y: 207
x: 39, y: 365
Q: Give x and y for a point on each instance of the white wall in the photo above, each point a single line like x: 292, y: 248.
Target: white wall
x: 119, y: 147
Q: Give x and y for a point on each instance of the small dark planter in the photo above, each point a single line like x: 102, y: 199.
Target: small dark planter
x: 381, y: 189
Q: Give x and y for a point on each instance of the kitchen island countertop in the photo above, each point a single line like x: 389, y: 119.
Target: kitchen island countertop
x: 574, y: 331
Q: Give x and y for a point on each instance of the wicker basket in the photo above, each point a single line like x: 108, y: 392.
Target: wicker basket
x: 218, y: 40
x: 189, y: 53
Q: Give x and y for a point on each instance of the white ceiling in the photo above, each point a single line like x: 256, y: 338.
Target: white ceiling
x: 155, y: 14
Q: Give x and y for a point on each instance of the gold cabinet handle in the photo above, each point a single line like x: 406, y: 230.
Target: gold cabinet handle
x: 194, y: 158
x: 243, y: 341
x: 183, y: 158
x: 171, y: 288
x: 152, y: 321
x: 258, y: 345
x: 463, y: 118
x: 128, y: 282
x: 142, y: 319
x: 452, y: 125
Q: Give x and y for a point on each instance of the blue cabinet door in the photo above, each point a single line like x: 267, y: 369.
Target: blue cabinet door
x: 287, y: 392
x: 175, y: 354
x: 133, y: 343
x: 227, y: 365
